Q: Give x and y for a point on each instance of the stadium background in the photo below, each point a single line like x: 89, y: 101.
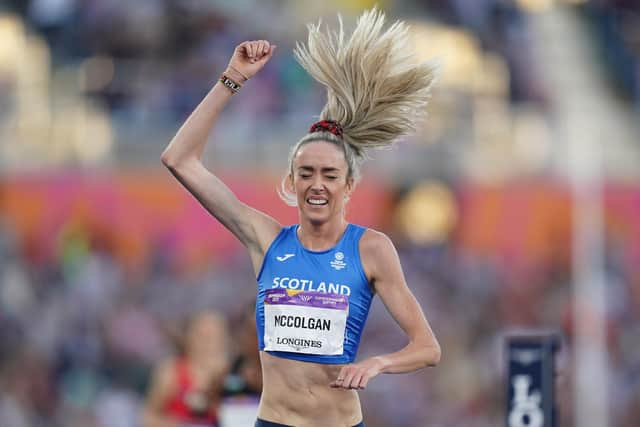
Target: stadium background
x: 523, y: 179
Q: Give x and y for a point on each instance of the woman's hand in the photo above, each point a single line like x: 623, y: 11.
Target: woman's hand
x: 357, y: 375
x: 248, y: 58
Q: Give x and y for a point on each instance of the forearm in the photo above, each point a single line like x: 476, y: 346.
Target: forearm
x: 411, y: 358
x: 191, y: 139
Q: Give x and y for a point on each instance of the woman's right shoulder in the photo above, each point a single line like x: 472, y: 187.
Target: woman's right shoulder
x: 268, y: 238
x: 265, y: 230
x: 281, y: 233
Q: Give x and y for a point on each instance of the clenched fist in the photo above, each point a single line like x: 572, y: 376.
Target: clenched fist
x: 248, y: 58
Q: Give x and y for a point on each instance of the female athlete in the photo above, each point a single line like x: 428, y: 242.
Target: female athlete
x: 316, y: 279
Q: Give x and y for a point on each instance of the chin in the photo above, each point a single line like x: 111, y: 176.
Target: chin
x: 316, y: 217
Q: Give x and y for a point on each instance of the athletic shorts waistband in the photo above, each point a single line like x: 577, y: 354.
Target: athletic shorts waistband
x: 264, y: 423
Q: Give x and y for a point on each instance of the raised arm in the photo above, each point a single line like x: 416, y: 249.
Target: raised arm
x: 382, y: 265
x: 183, y: 156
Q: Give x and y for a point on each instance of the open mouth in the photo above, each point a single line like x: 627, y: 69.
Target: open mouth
x: 317, y: 201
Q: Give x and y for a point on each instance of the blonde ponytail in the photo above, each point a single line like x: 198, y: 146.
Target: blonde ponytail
x: 375, y: 88
x: 376, y: 91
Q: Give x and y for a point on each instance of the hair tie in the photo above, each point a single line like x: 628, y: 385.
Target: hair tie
x: 327, y: 126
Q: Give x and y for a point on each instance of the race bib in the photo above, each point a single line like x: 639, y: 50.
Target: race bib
x: 305, y: 322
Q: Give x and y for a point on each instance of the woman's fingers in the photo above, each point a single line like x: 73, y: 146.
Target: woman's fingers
x: 256, y: 50
x: 363, y: 382
x: 245, y: 50
x: 252, y: 51
x: 269, y: 54
x: 266, y: 47
x: 259, y: 49
x: 356, y: 376
x: 356, y: 380
x: 337, y: 383
x: 348, y: 378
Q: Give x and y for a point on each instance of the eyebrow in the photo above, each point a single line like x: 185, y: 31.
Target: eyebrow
x: 324, y: 170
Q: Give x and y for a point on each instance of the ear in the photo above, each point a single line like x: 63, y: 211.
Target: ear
x: 351, y: 184
x: 288, y: 183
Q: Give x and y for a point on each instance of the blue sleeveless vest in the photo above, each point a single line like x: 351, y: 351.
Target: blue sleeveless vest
x: 289, y: 266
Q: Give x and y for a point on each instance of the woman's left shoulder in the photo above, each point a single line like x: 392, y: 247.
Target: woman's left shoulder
x: 377, y: 254
x: 375, y: 243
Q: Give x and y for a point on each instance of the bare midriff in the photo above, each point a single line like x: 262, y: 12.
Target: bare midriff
x: 298, y: 394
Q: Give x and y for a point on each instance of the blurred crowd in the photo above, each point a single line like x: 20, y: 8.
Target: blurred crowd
x: 616, y: 25
x: 166, y: 54
x: 81, y: 333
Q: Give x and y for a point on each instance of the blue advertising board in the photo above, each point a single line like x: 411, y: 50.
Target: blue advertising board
x: 530, y: 380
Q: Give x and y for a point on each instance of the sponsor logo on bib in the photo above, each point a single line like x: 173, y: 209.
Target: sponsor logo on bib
x: 305, y: 322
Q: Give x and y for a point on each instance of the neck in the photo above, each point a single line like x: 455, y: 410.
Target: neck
x: 318, y: 237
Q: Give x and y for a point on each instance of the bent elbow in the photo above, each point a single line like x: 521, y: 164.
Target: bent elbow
x: 436, y: 355
x: 172, y: 162
x: 432, y: 355
x: 176, y: 162
x: 167, y: 160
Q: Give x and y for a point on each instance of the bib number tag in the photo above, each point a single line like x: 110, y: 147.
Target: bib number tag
x: 305, y: 322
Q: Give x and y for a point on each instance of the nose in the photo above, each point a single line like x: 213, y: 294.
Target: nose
x: 317, y: 185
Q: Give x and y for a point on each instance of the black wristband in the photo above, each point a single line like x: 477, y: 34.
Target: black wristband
x: 230, y: 84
